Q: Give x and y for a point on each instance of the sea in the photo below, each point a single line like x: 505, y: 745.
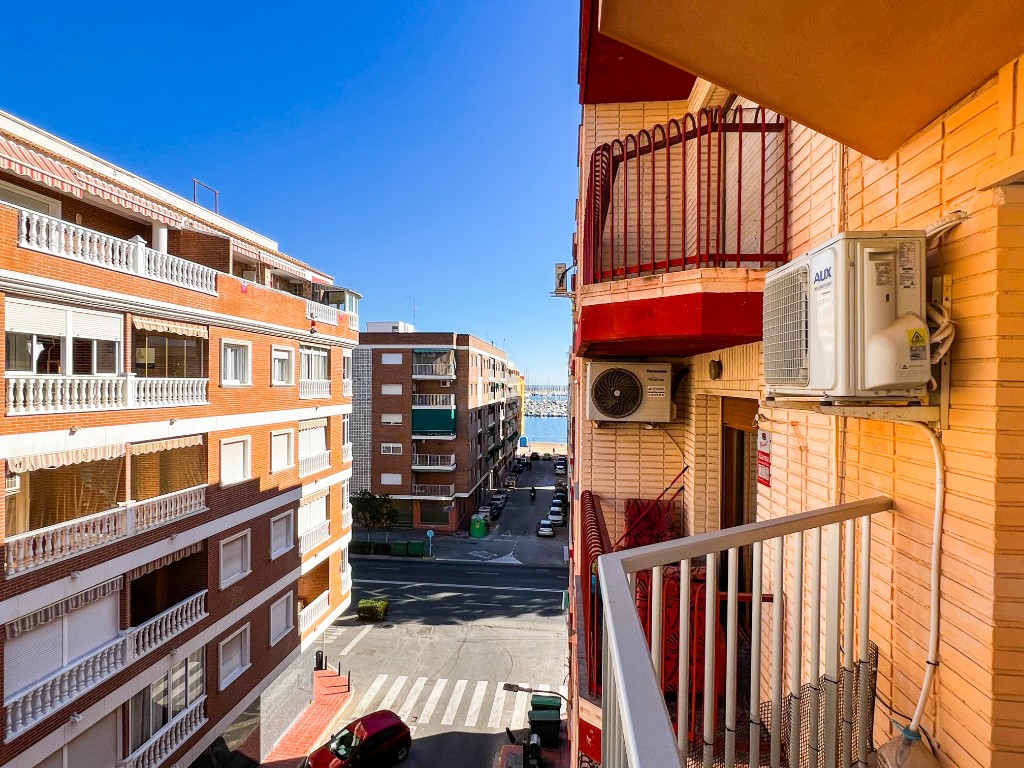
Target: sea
x: 546, y: 429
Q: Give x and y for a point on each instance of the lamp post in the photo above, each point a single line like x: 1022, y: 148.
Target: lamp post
x: 513, y: 688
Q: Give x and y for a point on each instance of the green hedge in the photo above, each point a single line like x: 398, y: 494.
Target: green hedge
x: 361, y: 547
x: 380, y: 548
x: 372, y: 610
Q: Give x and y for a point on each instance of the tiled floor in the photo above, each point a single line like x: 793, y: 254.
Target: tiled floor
x: 330, y: 692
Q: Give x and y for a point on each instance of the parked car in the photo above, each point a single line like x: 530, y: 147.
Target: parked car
x: 510, y: 482
x: 557, y: 506
x: 484, y: 509
x: 545, y: 528
x: 561, y: 496
x: 378, y: 739
x: 496, y: 502
x: 560, y: 485
x: 556, y: 516
x: 559, y: 469
x: 547, y: 457
x: 502, y: 494
x: 534, y: 456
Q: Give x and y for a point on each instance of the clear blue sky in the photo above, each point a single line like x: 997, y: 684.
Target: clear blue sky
x: 411, y: 148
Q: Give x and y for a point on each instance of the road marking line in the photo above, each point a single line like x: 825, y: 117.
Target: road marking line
x: 475, y: 703
x: 519, y: 709
x: 371, y: 692
x: 435, y: 696
x: 410, y: 700
x: 497, y: 707
x: 362, y: 633
x: 461, y: 586
x: 543, y: 687
x: 396, y: 688
x: 453, y: 703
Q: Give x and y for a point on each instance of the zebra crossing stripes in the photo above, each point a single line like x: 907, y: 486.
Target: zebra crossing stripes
x: 396, y: 688
x: 497, y: 706
x: 453, y: 703
x: 410, y: 701
x: 371, y: 692
x: 475, y: 703
x: 431, y: 705
x: 519, y: 708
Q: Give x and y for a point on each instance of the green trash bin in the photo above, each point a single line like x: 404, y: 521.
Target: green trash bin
x: 400, y: 548
x: 477, y: 528
x: 415, y: 549
x: 546, y: 723
x: 543, y: 701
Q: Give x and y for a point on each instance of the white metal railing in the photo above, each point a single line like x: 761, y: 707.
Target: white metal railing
x: 12, y: 484
x: 346, y: 453
x: 433, y: 369
x: 166, y: 741
x: 322, y: 313
x: 353, y: 321
x: 314, y: 537
x: 433, y: 401
x: 167, y: 508
x: 433, y: 461
x: 158, y: 630
x: 636, y: 725
x: 55, y: 394
x: 308, y: 616
x: 167, y: 393
x: 429, y: 489
x: 33, y: 703
x: 346, y: 387
x: 42, y: 546
x: 316, y: 463
x: 346, y: 516
x: 310, y: 389
x: 346, y: 581
x: 47, y: 234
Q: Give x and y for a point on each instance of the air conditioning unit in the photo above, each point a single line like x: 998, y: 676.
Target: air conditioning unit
x: 629, y: 392
x: 847, y: 320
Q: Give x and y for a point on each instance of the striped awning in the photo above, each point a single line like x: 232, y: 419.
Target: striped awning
x: 168, y: 444
x: 27, y: 162
x: 170, y: 326
x: 115, y: 194
x: 314, y: 497
x: 243, y: 248
x: 312, y: 424
x: 153, y: 565
x: 55, y: 459
x: 56, y: 610
x: 275, y: 263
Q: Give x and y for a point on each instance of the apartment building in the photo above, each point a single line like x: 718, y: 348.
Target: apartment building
x: 437, y: 420
x: 817, y: 570
x: 175, y: 447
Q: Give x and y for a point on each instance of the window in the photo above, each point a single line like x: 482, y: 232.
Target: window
x: 282, y: 451
x: 282, y: 366
x: 234, y: 559
x: 391, y: 358
x: 346, y: 365
x: 391, y: 389
x: 346, y: 435
x: 234, y: 656
x: 235, y: 460
x: 53, y: 340
x: 236, y: 364
x: 28, y: 199
x: 312, y: 441
x: 282, y: 618
x: 391, y: 449
x: 168, y: 356
x: 391, y: 418
x: 390, y: 478
x: 282, y: 534
x: 166, y: 697
x: 314, y: 364
x: 445, y: 383
x: 313, y: 513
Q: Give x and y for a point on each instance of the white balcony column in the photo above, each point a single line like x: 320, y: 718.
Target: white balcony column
x: 159, y: 237
x: 138, y: 255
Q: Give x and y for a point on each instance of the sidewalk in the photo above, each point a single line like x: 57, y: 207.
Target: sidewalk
x: 330, y: 694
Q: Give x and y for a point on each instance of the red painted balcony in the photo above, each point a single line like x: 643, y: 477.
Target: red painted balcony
x: 681, y: 223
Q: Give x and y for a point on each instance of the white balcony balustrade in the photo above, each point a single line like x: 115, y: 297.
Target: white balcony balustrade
x: 32, y: 394
x: 309, y: 615
x: 826, y: 672
x: 346, y: 582
x: 318, y: 462
x: 43, y: 546
x: 166, y: 508
x: 346, y: 453
x: 322, y: 313
x: 12, y: 484
x: 434, y: 370
x: 313, y: 389
x: 167, y: 393
x: 346, y: 516
x: 353, y: 321
x: 47, y: 234
x: 314, y: 537
x: 433, y: 462
x: 158, y: 630
x: 430, y: 489
x: 166, y: 741
x: 346, y: 387
x: 433, y: 401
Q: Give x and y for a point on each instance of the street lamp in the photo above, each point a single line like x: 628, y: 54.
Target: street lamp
x: 523, y: 689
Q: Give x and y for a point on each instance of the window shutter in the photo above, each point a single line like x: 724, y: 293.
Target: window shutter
x: 92, y: 626
x: 232, y: 461
x: 232, y: 558
x: 33, y: 655
x: 317, y: 440
x: 88, y: 325
x: 231, y: 655
x: 98, y: 746
x: 280, y: 533
x: 280, y: 617
x: 34, y: 318
x: 280, y: 453
x: 304, y: 443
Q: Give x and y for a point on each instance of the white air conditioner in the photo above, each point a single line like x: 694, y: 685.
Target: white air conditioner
x: 629, y: 392
x: 847, y: 319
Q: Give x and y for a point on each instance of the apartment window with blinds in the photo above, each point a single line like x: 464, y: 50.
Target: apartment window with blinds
x: 312, y: 514
x: 391, y: 449
x: 312, y: 442
x: 391, y: 418
x: 390, y: 478
x: 314, y: 364
x: 346, y: 436
x: 282, y: 366
x: 234, y: 559
x: 234, y: 657
x: 391, y: 358
x: 165, y: 698
x: 391, y: 389
x: 282, y: 534
x: 235, y: 461
x: 282, y: 618
x: 236, y: 363
x: 52, y: 340
x: 282, y: 450
x: 346, y: 365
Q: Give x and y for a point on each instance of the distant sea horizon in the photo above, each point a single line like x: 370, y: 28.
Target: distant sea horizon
x: 546, y: 429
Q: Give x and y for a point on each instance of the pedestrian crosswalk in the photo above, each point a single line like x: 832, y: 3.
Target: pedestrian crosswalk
x: 464, y: 704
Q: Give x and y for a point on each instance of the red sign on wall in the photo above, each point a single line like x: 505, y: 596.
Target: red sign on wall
x: 764, y: 457
x: 590, y: 740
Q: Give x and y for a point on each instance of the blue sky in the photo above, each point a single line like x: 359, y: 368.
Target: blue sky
x: 419, y: 149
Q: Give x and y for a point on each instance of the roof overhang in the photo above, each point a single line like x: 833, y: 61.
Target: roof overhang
x: 869, y: 73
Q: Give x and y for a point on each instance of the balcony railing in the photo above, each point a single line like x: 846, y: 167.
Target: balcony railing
x: 316, y: 463
x: 34, y: 394
x: 346, y: 516
x: 353, y: 321
x: 168, y: 739
x: 309, y: 615
x: 166, y: 508
x: 638, y: 675
x: 12, y: 484
x: 172, y: 622
x: 312, y: 389
x: 314, y: 537
x: 433, y: 462
x: 346, y: 581
x: 707, y: 190
x: 346, y: 387
x: 346, y: 453
x: 445, y: 491
x: 433, y: 401
x: 47, y: 234
x: 322, y: 313
x: 168, y: 393
x: 444, y: 370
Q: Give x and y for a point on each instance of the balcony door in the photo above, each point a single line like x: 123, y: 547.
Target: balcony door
x: 739, y: 476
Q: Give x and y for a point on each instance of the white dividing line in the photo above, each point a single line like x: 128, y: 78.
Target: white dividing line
x: 475, y: 703
x: 392, y: 694
x: 410, y: 700
x: 543, y: 687
x: 519, y: 709
x: 461, y: 586
x: 497, y: 707
x: 453, y: 703
x: 431, y: 705
x: 362, y: 633
x: 371, y: 692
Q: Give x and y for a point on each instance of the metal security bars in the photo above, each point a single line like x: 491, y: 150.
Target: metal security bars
x: 806, y: 696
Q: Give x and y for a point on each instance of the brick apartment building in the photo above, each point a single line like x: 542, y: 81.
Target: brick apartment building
x: 437, y: 419
x: 175, y: 447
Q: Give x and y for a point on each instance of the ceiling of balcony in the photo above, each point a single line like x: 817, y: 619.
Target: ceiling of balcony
x: 869, y: 73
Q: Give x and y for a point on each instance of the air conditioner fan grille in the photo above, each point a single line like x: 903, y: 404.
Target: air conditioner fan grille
x: 617, y: 393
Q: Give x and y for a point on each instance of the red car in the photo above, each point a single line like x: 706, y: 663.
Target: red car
x: 380, y: 739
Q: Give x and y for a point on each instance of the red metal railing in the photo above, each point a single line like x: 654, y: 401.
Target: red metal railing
x: 706, y: 190
x: 595, y: 544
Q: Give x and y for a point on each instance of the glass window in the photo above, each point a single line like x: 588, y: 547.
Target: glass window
x: 234, y: 460
x: 170, y: 356
x: 165, y: 698
x: 234, y: 559
x: 235, y: 364
x: 314, y: 364
x: 281, y: 451
x: 93, y: 356
x: 282, y: 534
x: 282, y: 618
x: 19, y: 352
x: 234, y: 656
x: 282, y: 366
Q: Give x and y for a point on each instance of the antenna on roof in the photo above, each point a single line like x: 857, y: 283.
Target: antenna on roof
x: 196, y: 184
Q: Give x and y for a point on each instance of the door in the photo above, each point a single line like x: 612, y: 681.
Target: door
x: 739, y: 481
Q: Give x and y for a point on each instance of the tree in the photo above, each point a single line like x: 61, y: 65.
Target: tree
x: 374, y: 512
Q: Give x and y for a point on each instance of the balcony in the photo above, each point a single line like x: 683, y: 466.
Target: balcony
x: 433, y: 491
x: 312, y: 613
x: 168, y: 739
x: 318, y: 462
x: 172, y: 622
x: 314, y: 537
x: 433, y: 401
x: 346, y: 516
x: 46, y: 234
x: 314, y: 389
x: 346, y: 453
x: 346, y: 582
x: 433, y: 370
x: 731, y: 681
x: 680, y: 224
x: 346, y: 387
x: 322, y: 313
x: 353, y: 321
x: 35, y: 394
x: 433, y: 462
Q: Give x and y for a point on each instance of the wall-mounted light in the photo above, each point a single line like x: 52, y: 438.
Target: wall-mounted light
x: 75, y: 718
x: 75, y: 430
x: 715, y: 370
x: 174, y: 420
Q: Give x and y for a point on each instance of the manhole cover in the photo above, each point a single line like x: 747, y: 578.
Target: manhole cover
x: 387, y: 626
x: 424, y: 631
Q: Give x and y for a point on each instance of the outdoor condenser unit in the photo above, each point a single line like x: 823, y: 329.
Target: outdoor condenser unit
x: 629, y: 392
x: 847, y: 320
